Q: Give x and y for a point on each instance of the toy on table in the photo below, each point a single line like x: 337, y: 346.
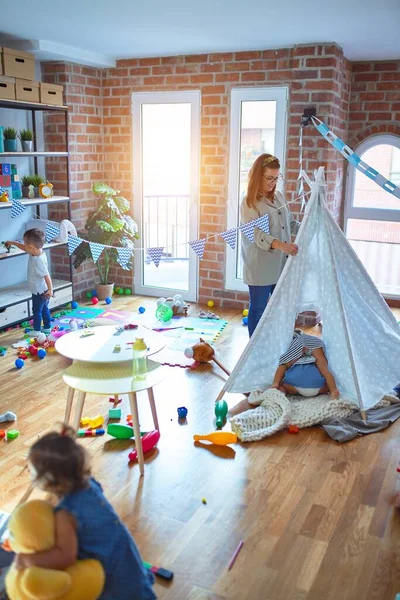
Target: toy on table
x: 12, y: 434
x: 121, y: 431
x: 41, y: 353
x: 3, y: 350
x: 220, y: 410
x: 220, y: 438
x: 32, y: 529
x: 202, y: 352
x: 149, y: 440
x: 3, y: 433
x: 92, y: 423
x: 19, y: 363
x: 164, y: 313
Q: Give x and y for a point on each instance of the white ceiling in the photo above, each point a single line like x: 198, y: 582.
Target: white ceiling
x: 99, y: 31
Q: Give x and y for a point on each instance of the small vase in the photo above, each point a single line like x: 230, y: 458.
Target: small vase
x: 10, y: 145
x: 104, y: 291
x: 27, y: 145
x: 25, y: 191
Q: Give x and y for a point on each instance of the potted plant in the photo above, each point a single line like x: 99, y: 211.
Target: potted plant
x: 26, y: 137
x: 10, y: 139
x: 110, y: 224
x: 28, y: 180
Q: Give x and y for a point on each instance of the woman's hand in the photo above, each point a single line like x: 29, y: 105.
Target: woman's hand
x: 284, y: 247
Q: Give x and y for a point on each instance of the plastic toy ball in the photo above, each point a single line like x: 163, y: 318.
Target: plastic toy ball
x: 210, y: 303
x: 41, y: 353
x: 88, y: 294
x: 141, y: 309
x: 120, y: 291
x: 128, y: 292
x: 95, y: 300
x: 93, y: 293
x: 245, y: 320
x: 19, y: 363
x: 108, y: 300
x: 74, y: 304
x: 245, y: 312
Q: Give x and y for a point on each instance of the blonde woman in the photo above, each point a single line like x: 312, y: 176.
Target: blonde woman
x: 263, y: 260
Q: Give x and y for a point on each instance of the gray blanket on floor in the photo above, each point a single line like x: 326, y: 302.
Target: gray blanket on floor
x: 348, y: 428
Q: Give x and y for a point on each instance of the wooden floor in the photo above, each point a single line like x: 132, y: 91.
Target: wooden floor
x: 316, y: 517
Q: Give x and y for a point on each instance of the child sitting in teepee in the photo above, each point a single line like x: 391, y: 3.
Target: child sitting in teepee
x: 303, y: 369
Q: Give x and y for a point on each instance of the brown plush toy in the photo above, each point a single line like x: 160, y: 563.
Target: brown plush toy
x: 202, y: 352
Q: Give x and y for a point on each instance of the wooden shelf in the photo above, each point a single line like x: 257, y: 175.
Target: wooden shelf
x: 16, y: 154
x: 16, y: 294
x: 30, y: 105
x: 18, y: 252
x: 36, y: 201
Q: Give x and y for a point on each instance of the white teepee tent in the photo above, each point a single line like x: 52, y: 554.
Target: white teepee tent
x: 361, y: 334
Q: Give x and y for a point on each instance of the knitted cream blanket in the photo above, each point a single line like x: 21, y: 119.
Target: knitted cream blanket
x: 276, y: 411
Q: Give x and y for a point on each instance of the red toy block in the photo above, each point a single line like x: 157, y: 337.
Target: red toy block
x: 293, y: 429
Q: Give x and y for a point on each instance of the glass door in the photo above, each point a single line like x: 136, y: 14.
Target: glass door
x: 166, y: 189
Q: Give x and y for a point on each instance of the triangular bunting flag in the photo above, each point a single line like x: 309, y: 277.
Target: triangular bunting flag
x: 73, y: 243
x: 52, y: 231
x: 124, y: 256
x: 17, y: 208
x: 198, y: 247
x: 248, y: 230
x: 96, y: 250
x: 230, y: 237
x: 263, y: 223
x: 155, y: 254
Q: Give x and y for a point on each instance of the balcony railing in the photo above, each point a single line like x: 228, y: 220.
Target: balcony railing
x: 166, y: 223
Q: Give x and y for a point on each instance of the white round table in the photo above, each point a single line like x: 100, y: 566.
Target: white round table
x: 100, y: 346
x: 103, y: 365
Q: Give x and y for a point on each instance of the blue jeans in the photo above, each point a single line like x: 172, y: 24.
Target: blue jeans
x: 40, y: 309
x: 259, y: 296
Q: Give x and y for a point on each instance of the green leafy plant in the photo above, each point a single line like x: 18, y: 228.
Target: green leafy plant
x: 37, y: 180
x: 26, y: 135
x: 27, y: 180
x: 10, y: 133
x: 111, y: 225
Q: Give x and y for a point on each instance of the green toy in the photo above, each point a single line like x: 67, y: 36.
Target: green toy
x: 120, y: 291
x: 12, y: 434
x: 114, y: 413
x: 88, y: 295
x: 121, y: 432
x: 164, y: 313
x: 221, y: 410
x: 128, y: 292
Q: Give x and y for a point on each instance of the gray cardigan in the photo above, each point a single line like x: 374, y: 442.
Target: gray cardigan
x: 261, y: 264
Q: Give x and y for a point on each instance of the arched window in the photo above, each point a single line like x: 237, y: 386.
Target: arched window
x: 372, y: 215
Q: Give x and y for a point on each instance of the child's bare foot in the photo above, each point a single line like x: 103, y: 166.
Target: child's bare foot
x: 335, y: 394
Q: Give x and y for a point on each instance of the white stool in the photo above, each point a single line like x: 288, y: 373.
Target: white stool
x: 111, y: 379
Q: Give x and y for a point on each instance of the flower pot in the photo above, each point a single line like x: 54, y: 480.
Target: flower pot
x: 25, y: 191
x: 104, y: 291
x: 10, y: 145
x: 27, y: 145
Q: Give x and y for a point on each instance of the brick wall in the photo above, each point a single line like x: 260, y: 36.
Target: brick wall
x: 317, y: 75
x: 375, y: 100
x: 83, y: 95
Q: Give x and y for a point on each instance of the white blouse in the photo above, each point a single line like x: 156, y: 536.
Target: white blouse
x: 263, y: 265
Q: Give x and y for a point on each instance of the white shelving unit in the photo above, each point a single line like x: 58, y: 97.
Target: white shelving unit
x: 15, y: 300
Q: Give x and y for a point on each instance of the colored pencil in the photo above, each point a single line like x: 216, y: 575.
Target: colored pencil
x: 235, y: 555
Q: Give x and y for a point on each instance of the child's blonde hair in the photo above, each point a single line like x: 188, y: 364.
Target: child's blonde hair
x: 59, y: 463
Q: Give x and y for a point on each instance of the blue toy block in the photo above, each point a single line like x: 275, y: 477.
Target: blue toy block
x: 114, y: 413
x: 5, y: 169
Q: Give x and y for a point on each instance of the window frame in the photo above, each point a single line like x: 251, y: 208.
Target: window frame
x: 279, y: 94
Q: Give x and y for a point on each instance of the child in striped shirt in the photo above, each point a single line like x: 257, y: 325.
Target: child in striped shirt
x: 303, y: 369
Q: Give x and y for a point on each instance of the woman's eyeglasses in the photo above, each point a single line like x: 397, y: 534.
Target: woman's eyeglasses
x: 273, y: 179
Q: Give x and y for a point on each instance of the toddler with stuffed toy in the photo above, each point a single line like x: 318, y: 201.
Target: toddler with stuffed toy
x: 86, y: 525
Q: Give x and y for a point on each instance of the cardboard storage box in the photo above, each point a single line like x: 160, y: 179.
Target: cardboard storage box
x: 28, y: 91
x: 51, y: 94
x: 18, y: 64
x: 7, y: 88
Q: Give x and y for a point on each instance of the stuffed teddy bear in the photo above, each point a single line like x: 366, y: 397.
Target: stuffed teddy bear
x: 32, y: 529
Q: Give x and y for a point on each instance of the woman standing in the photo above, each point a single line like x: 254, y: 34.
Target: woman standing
x: 263, y: 260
